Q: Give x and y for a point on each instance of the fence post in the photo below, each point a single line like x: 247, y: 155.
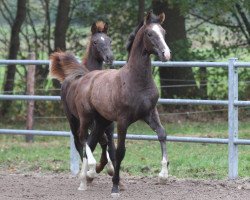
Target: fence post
x: 232, y: 119
x: 74, y: 156
x: 30, y: 91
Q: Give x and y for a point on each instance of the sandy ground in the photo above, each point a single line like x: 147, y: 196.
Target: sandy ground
x: 64, y: 186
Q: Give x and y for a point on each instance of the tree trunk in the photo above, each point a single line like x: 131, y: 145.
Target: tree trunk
x: 174, y: 81
x: 62, y: 23
x: 141, y: 5
x: 13, y: 51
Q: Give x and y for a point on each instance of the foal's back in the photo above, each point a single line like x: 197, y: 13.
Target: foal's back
x: 95, y: 91
x: 111, y: 94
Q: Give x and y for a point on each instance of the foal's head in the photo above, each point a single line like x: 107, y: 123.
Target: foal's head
x: 154, y: 35
x: 100, y: 43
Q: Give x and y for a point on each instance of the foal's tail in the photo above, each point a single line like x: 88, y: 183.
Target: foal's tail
x: 64, y: 64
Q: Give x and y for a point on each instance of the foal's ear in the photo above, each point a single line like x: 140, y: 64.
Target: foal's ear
x: 162, y: 17
x: 106, y: 27
x: 93, y: 28
x: 148, y: 17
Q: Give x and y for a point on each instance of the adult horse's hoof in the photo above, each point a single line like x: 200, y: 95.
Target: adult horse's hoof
x: 115, y: 195
x: 82, y: 187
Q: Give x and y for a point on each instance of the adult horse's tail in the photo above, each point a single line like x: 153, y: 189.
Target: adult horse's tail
x: 64, y: 64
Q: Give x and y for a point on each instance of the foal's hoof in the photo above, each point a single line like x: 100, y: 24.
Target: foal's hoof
x: 115, y: 195
x: 110, y: 172
x: 91, y: 174
x: 89, y: 179
x: 99, y: 168
x: 115, y: 192
x: 162, y: 179
x: 82, y: 187
x: 110, y: 169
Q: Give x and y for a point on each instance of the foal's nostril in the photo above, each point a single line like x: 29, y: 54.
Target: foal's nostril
x: 109, y: 59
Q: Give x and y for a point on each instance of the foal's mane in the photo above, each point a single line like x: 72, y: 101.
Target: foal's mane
x: 132, y: 35
x: 100, y: 25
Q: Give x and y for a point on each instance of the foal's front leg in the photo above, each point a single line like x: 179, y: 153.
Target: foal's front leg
x: 154, y: 122
x: 120, y: 153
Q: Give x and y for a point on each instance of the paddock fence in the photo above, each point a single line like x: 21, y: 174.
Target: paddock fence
x: 232, y: 104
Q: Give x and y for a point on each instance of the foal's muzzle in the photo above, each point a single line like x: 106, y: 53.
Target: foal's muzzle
x: 109, y: 59
x: 164, y: 55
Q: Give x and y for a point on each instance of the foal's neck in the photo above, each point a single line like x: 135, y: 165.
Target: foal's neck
x: 92, y: 63
x: 139, y: 62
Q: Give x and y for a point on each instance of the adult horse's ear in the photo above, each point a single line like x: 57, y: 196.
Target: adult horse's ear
x: 148, y: 17
x: 162, y: 17
x: 93, y: 28
x: 106, y: 27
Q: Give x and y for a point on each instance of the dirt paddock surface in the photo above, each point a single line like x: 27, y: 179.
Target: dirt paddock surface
x: 64, y: 186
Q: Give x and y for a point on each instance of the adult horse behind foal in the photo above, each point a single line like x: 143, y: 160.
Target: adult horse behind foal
x: 99, y: 50
x: 125, y: 95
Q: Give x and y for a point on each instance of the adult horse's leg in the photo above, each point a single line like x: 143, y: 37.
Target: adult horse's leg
x: 120, y: 153
x: 154, y: 122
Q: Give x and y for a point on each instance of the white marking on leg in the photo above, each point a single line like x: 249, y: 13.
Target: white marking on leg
x: 83, y: 175
x: 91, y: 163
x: 166, y: 50
x: 163, y: 175
x: 110, y: 167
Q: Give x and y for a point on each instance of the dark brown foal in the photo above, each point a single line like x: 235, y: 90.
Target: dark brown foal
x: 99, y: 50
x: 125, y: 95
x: 65, y: 66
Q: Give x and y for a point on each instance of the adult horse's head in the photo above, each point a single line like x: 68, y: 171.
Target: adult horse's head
x: 100, y: 43
x: 154, y: 35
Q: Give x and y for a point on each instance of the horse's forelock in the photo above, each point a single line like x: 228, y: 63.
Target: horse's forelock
x: 100, y: 25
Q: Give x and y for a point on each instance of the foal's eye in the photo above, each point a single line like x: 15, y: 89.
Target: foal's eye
x: 95, y: 42
x: 149, y: 34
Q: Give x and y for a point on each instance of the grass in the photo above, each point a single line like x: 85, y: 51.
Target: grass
x: 187, y: 160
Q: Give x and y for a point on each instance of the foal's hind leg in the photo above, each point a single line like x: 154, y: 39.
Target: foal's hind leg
x: 109, y: 132
x: 96, y: 135
x: 86, y: 152
x: 107, y: 157
x: 153, y: 121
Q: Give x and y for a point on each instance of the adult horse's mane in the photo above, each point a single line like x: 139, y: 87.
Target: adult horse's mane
x: 131, y: 38
x: 100, y: 27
